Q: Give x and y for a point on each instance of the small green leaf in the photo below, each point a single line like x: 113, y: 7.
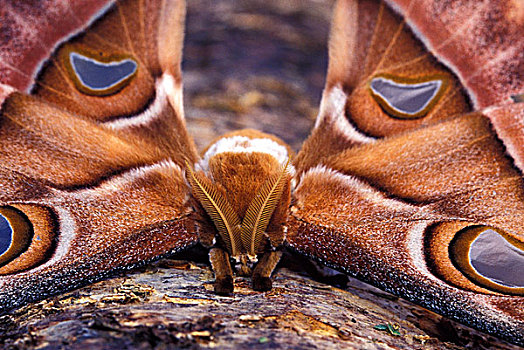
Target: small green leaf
x: 381, y: 327
x: 393, y: 329
x: 263, y: 340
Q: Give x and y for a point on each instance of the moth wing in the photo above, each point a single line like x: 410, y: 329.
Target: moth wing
x: 482, y: 42
x: 384, y: 196
x: 390, y: 72
x: 25, y: 46
x: 93, y: 182
x: 391, y: 213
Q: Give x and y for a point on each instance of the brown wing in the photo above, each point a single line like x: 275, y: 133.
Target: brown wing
x: 404, y: 211
x: 382, y: 80
x: 481, y: 41
x: 91, y: 182
x: 30, y: 34
x: 392, y: 213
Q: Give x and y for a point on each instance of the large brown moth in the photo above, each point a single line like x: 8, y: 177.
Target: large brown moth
x: 411, y: 179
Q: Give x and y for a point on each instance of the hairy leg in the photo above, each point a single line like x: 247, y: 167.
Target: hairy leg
x: 263, y: 270
x: 219, y: 259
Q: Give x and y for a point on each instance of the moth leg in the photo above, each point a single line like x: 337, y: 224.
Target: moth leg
x: 263, y: 270
x: 219, y: 259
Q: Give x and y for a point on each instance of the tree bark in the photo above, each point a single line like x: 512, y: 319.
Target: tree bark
x: 258, y: 64
x: 171, y: 304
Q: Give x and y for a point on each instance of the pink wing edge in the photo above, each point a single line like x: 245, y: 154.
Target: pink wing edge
x: 32, y: 34
x: 482, y: 42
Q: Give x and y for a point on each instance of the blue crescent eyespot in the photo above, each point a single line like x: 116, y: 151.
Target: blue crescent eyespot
x: 15, y: 234
x: 6, y: 235
x: 101, y: 78
x: 490, y: 258
x: 493, y: 257
x: 406, y: 98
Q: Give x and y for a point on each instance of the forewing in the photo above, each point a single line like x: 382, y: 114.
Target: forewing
x: 481, y: 41
x: 30, y: 34
x: 92, y: 182
x: 401, y: 201
x: 390, y: 72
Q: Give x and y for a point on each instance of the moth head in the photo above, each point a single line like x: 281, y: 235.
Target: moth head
x: 243, y: 186
x: 244, y: 264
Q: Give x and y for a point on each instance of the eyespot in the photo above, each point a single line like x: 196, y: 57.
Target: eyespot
x: 100, y: 74
x: 27, y: 236
x: 407, y: 98
x: 15, y: 234
x: 490, y: 258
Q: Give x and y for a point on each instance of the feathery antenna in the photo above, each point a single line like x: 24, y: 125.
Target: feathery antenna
x: 218, y: 208
x: 261, y: 208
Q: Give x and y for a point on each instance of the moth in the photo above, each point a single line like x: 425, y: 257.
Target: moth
x: 411, y: 179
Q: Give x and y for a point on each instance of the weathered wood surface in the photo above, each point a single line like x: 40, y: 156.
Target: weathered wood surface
x: 257, y: 64
x: 171, y: 305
